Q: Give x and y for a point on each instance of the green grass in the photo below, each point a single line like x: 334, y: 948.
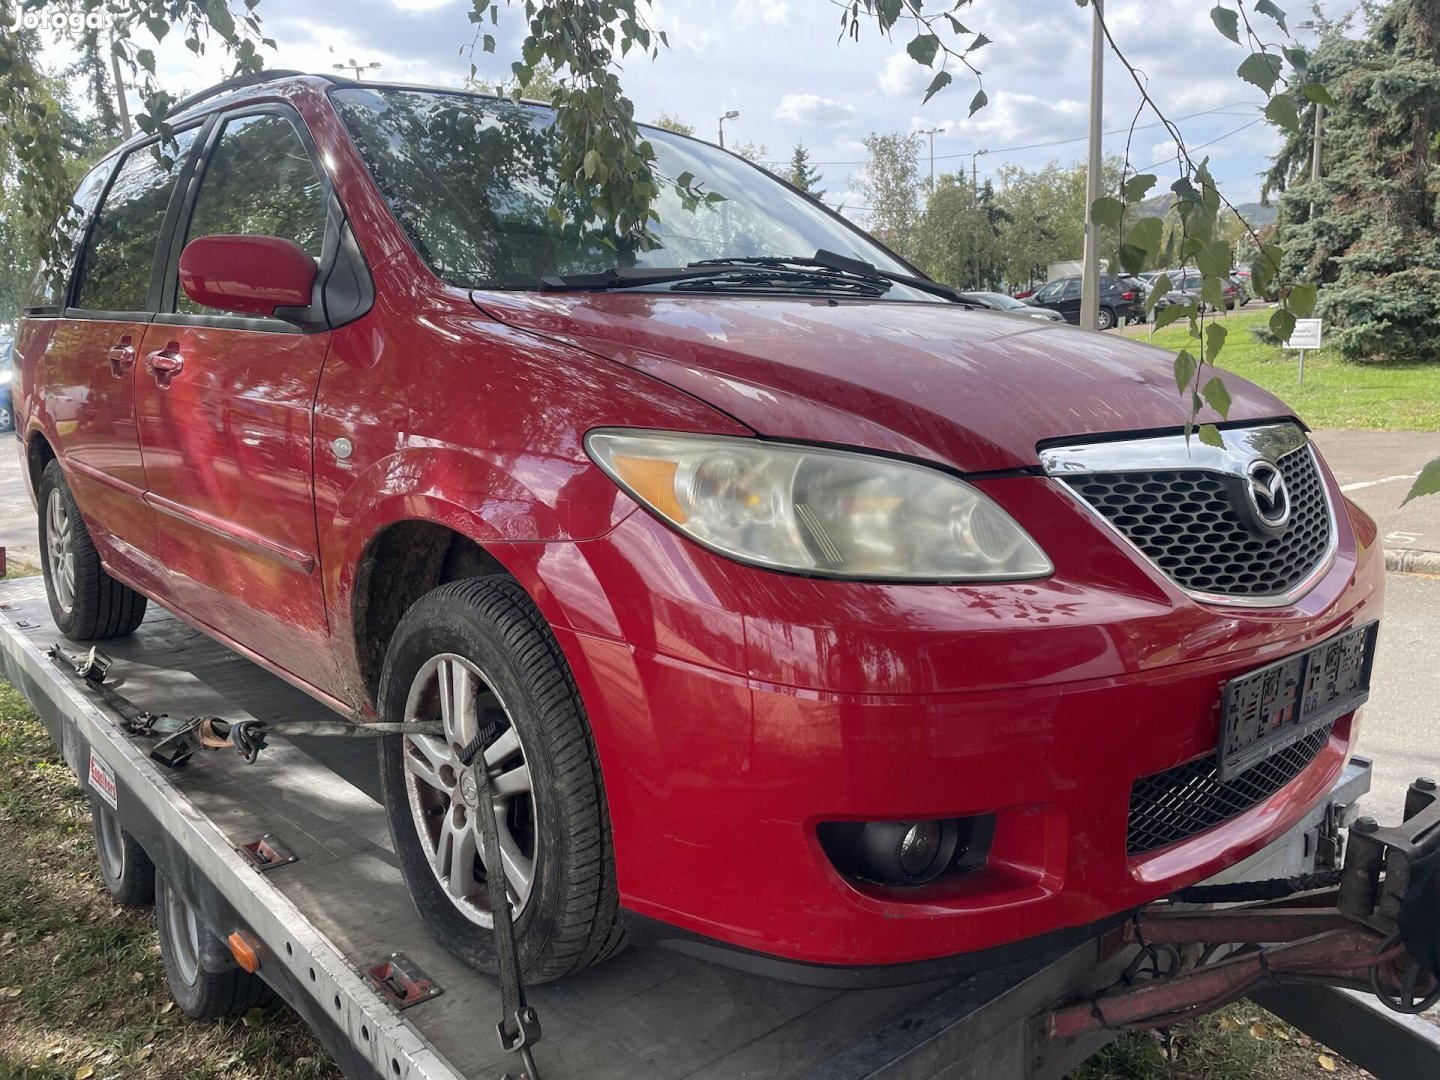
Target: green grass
x: 82, y: 990
x: 1336, y: 393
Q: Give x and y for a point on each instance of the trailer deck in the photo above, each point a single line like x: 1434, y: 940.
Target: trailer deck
x: 341, y: 907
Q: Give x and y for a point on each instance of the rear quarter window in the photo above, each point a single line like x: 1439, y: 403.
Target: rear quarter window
x: 47, y: 292
x: 114, y: 273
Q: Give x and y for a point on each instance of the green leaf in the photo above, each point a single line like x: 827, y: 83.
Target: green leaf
x: 1210, y: 435
x: 1107, y: 210
x: 1283, y: 112
x: 1158, y: 288
x: 1260, y: 69
x: 1318, y: 93
x: 1427, y: 483
x: 592, y: 162
x: 147, y: 60
x: 890, y: 12
x: 1185, y: 364
x: 1132, y: 258
x: 1302, y: 300
x: 1215, y: 259
x: 1211, y: 294
x: 978, y: 102
x: 1227, y: 22
x: 1137, y: 187
x: 488, y: 44
x: 1282, y: 323
x: 941, y: 80
x: 1185, y: 191
x: 922, y: 49
x: 1268, y: 7
x: 1215, y: 335
x: 1147, y: 233
x: 979, y: 43
x: 1216, y: 396
x: 1174, y: 313
x: 1298, y: 57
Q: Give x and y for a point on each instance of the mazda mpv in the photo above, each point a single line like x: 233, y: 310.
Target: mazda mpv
x: 803, y: 615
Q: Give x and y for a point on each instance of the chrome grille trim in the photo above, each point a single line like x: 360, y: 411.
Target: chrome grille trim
x: 1157, y: 456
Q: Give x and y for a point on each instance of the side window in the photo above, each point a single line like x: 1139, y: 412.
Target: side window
x: 260, y: 181
x: 115, y: 269
x: 1049, y: 292
x: 1072, y: 290
x: 49, y: 286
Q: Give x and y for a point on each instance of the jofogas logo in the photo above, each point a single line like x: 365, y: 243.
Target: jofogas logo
x: 61, y: 20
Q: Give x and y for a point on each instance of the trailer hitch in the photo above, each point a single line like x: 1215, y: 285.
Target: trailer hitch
x: 1375, y: 928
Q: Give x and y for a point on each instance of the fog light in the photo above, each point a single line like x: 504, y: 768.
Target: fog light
x: 907, y: 852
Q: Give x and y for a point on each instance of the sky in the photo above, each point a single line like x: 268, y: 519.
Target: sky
x: 783, y: 67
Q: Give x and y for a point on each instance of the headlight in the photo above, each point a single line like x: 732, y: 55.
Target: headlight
x: 819, y: 511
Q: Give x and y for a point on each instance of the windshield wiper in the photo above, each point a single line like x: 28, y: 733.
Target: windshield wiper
x: 842, y: 264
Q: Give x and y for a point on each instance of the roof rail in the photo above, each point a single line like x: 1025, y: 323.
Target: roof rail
x: 239, y: 82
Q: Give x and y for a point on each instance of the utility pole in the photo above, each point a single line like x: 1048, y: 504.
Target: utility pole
x: 121, y: 104
x: 731, y: 115
x: 1315, y: 151
x: 975, y: 171
x: 932, y: 132
x: 351, y: 65
x: 1090, y: 279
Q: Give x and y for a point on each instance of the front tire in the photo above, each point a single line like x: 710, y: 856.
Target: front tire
x: 477, y: 655
x: 86, y: 603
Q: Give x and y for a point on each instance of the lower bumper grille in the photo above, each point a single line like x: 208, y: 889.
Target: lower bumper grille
x: 1179, y: 803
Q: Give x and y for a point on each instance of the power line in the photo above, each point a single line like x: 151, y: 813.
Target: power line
x: 1219, y: 109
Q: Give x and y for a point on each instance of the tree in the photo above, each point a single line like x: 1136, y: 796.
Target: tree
x: 802, y: 174
x: 758, y: 153
x: 1367, y: 231
x: 958, y: 240
x: 891, y: 187
x: 675, y: 124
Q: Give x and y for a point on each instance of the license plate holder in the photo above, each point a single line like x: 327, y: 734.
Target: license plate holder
x: 1275, y: 706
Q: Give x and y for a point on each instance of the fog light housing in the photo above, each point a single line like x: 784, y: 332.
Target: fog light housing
x: 907, y: 853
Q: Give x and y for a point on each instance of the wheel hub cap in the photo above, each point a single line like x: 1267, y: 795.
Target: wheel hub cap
x: 444, y: 793
x: 60, y: 551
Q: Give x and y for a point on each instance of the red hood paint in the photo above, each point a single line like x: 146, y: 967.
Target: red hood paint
x: 977, y: 390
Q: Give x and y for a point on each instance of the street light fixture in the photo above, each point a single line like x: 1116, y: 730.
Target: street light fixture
x: 352, y: 65
x: 932, y: 132
x: 731, y: 115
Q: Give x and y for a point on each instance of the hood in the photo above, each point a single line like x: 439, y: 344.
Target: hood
x: 975, y: 389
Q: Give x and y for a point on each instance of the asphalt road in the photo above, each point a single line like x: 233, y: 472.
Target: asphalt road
x: 1401, y: 727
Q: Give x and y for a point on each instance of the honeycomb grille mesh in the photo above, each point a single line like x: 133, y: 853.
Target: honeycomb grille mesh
x: 1188, y: 523
x: 1179, y: 803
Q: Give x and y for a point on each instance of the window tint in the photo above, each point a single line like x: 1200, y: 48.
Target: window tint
x: 1072, y: 290
x: 115, y: 271
x: 259, y: 182
x: 49, y: 286
x: 1050, y: 292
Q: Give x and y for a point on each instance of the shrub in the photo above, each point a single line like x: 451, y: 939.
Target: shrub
x: 1395, y: 317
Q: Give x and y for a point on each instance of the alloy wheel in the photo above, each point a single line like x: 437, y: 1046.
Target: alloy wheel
x: 444, y: 794
x: 60, y: 550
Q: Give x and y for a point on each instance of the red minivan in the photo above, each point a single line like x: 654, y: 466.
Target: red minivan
x: 805, y: 616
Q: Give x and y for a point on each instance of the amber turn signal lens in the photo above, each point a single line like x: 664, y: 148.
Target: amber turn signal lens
x: 653, y: 479
x: 244, y: 950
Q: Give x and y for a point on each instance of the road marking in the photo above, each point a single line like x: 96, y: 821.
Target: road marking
x: 1371, y: 483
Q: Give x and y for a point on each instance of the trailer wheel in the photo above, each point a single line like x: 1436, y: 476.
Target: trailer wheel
x: 125, y: 868
x: 204, y: 981
x: 86, y: 602
x: 477, y: 654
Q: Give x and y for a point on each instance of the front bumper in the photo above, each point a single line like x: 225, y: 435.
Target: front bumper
x: 736, y: 709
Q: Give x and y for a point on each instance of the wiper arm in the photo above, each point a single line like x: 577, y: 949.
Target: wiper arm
x: 754, y: 274
x: 843, y: 264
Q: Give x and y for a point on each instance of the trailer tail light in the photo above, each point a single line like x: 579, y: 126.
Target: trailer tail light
x: 244, y: 950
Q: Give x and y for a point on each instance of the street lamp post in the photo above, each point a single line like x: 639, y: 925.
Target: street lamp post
x: 731, y: 115
x: 352, y: 65
x: 1090, y: 278
x: 932, y: 132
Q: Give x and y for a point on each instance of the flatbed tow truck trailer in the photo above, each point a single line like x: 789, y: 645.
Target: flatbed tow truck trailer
x: 285, y: 867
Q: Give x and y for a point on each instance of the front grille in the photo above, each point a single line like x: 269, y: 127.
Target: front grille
x: 1178, y: 803
x: 1188, y: 523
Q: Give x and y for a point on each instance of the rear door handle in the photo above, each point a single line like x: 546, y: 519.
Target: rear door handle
x: 165, y: 364
x: 121, y: 356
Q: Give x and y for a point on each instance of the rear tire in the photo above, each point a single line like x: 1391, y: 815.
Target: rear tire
x: 1106, y: 318
x: 203, y: 979
x: 125, y: 868
x: 481, y: 646
x: 86, y: 603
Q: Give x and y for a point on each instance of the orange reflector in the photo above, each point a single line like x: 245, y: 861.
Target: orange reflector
x: 245, y: 951
x: 654, y: 481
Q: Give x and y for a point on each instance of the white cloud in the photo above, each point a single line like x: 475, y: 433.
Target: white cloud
x: 812, y: 110
x: 414, y: 6
x: 767, y: 12
x: 903, y: 77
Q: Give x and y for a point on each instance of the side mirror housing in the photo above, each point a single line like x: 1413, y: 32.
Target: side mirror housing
x: 252, y: 275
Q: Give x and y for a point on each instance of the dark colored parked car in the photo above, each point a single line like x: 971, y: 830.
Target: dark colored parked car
x: 7, y: 375
x: 1000, y: 302
x: 786, y: 606
x: 1118, y: 304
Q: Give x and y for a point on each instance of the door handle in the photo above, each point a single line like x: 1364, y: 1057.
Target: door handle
x: 165, y: 364
x: 121, y: 356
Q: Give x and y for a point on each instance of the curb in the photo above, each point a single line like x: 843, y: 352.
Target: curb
x: 1412, y: 561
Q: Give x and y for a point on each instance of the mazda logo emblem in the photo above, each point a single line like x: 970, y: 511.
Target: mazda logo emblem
x: 1267, y: 493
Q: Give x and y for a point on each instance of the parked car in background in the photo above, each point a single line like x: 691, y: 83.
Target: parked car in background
x: 1242, y: 286
x: 774, y: 601
x: 7, y: 374
x: 1189, y: 279
x: 1118, y: 304
x: 1000, y: 302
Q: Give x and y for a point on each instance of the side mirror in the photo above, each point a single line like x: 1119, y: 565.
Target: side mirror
x: 253, y: 275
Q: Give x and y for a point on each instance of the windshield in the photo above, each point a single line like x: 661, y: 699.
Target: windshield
x: 471, y: 180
